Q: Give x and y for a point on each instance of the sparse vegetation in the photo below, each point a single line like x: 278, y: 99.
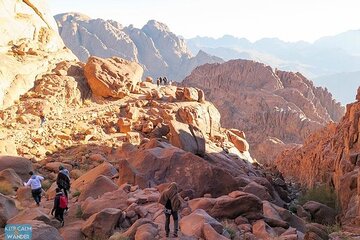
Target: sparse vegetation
x: 46, y: 184
x: 333, y: 228
x: 76, y: 193
x: 229, y: 228
x: 79, y: 212
x: 322, y: 194
x: 6, y: 188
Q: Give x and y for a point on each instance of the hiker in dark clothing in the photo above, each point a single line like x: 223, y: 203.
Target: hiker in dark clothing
x: 161, y: 80
x: 63, y: 180
x: 165, y: 80
x: 158, y: 82
x: 60, y: 204
x: 35, y: 184
x: 171, y: 200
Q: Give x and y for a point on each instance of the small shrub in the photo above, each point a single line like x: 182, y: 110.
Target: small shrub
x: 229, y: 228
x: 6, y: 188
x: 46, y: 184
x: 333, y: 228
x: 79, y: 212
x: 321, y: 194
x: 76, y: 193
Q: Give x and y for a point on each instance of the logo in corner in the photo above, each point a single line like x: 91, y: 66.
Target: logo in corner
x: 18, y: 232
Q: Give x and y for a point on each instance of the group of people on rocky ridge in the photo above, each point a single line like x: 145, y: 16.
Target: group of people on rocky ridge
x: 61, y: 198
x: 162, y: 81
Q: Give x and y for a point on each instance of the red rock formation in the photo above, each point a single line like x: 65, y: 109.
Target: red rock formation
x: 274, y: 108
x: 331, y: 155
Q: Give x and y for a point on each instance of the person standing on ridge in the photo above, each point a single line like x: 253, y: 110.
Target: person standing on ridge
x: 171, y: 200
x: 35, y: 184
x: 165, y: 80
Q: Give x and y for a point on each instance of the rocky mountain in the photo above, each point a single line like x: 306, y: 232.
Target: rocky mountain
x: 123, y: 141
x: 159, y: 51
x: 331, y: 156
x: 331, y: 55
x: 276, y: 109
x: 29, y: 46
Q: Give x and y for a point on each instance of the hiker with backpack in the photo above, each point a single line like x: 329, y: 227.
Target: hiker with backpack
x: 63, y: 180
x: 35, y: 183
x: 60, y: 204
x: 171, y: 200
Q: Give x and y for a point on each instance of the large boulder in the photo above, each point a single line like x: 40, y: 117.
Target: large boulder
x: 22, y: 166
x: 105, y: 169
x: 131, y: 232
x: 230, y: 206
x: 112, y: 77
x: 320, y: 213
x: 31, y: 214
x: 146, y: 231
x: 193, y: 224
x: 9, y: 177
x: 42, y: 231
x: 97, y: 188
x: 187, y: 137
x: 116, y: 199
x: 262, y: 230
x: 30, y: 46
x: 158, y: 162
x: 102, y: 224
x: 7, y: 209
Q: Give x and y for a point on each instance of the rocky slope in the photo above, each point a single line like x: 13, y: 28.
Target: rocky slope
x: 331, y: 156
x: 123, y: 141
x: 29, y: 46
x: 275, y: 109
x: 122, y: 150
x: 159, y: 51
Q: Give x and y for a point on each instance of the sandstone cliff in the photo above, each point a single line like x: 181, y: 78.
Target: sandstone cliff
x: 331, y: 156
x: 29, y: 46
x: 155, y: 47
x: 275, y: 109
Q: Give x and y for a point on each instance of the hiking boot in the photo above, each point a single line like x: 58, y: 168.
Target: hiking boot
x: 175, y: 235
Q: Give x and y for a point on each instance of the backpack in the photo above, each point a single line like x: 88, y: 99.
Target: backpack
x: 63, y: 202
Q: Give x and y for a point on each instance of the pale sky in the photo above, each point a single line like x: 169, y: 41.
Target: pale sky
x: 289, y: 20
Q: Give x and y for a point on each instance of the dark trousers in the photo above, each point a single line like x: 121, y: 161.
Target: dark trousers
x: 176, y: 222
x: 59, y: 214
x: 36, y: 194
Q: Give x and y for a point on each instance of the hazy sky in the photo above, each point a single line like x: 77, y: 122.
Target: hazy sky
x: 289, y: 20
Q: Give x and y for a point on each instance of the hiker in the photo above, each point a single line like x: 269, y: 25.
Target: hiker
x: 158, y: 82
x: 165, y: 80
x: 60, y: 204
x: 35, y: 183
x: 161, y: 80
x: 171, y: 200
x: 63, y: 180
x: 42, y: 116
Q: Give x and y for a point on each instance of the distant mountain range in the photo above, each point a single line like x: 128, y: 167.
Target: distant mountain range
x: 159, y: 51
x: 335, y: 56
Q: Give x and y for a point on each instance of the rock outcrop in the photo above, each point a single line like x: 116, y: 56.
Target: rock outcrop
x: 159, y: 51
x: 275, y: 109
x: 330, y: 156
x: 29, y: 47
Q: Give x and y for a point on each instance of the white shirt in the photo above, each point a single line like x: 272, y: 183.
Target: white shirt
x: 34, y: 182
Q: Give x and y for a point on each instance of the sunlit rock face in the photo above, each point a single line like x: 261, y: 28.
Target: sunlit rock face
x: 275, y: 109
x: 29, y: 46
